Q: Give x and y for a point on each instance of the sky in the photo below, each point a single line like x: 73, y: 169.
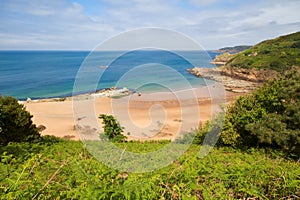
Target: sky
x: 84, y: 24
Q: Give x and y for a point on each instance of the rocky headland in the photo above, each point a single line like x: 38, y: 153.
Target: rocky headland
x: 231, y: 83
x: 222, y: 59
x: 234, y: 79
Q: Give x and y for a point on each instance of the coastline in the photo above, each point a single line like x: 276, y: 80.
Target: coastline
x: 231, y: 83
x: 160, y: 113
x: 107, y: 92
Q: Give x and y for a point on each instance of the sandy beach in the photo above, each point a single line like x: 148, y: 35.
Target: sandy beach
x: 152, y: 116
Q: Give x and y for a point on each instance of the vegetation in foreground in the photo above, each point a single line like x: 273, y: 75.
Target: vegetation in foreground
x: 15, y: 122
x: 269, y: 117
x: 58, y: 169
x: 112, y: 129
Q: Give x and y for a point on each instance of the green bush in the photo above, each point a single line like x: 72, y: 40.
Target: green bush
x: 268, y: 117
x: 296, y: 45
x: 15, y: 122
x: 276, y: 65
x: 112, y: 129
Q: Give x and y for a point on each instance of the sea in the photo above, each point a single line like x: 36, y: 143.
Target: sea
x: 49, y: 74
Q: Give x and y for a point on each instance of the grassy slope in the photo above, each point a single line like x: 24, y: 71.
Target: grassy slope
x: 64, y: 169
x: 235, y: 48
x: 278, y: 54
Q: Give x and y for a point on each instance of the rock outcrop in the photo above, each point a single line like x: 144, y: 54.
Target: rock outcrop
x: 252, y: 75
x: 222, y: 59
x: 231, y: 83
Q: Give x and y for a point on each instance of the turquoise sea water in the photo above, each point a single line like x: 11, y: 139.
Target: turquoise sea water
x: 45, y: 74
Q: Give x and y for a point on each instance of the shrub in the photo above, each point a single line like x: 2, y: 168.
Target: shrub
x: 296, y: 44
x: 15, y: 122
x: 112, y: 129
x: 268, y: 117
x: 276, y: 65
x: 265, y: 51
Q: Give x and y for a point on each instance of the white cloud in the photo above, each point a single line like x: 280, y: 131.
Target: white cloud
x: 280, y: 14
x: 150, y: 38
x: 42, y: 24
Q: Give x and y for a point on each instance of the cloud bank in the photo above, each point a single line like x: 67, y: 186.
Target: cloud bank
x: 82, y: 25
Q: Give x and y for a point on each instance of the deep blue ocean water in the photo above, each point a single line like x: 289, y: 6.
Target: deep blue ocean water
x: 45, y: 74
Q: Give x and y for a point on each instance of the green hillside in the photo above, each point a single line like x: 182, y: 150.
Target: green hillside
x: 235, y: 49
x: 278, y: 54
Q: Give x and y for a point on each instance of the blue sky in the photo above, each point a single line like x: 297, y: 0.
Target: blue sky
x: 83, y: 24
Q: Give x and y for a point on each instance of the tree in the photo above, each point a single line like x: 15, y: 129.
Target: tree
x: 15, y: 122
x: 112, y: 128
